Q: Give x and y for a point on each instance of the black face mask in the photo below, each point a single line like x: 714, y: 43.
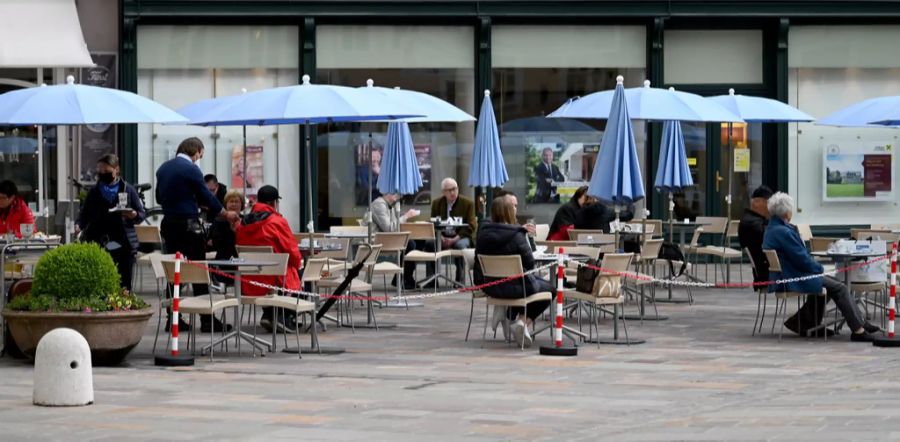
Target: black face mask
x: 105, y: 178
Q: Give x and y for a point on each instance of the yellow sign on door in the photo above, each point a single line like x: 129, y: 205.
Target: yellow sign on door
x: 742, y: 160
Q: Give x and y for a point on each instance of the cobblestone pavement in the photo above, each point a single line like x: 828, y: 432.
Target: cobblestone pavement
x: 699, y: 376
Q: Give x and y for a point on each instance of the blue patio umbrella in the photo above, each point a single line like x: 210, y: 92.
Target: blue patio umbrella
x: 673, y: 172
x: 305, y: 104
x: 756, y: 110
x: 432, y: 109
x: 543, y: 124
x: 487, y: 168
x: 647, y: 103
x: 617, y: 173
x: 73, y: 104
x: 399, y: 168
x: 18, y: 145
x: 865, y: 113
x: 76, y: 104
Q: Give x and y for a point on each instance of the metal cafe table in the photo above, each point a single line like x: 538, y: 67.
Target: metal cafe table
x: 12, y: 251
x: 236, y: 267
x: 545, y: 258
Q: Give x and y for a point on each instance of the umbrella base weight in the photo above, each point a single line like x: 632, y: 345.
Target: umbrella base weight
x: 886, y: 342
x: 370, y: 325
x: 645, y: 318
x: 558, y: 351
x: 606, y: 341
x: 173, y: 361
x: 315, y: 351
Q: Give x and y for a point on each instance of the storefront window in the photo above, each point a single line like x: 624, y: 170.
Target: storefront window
x: 393, y: 56
x: 832, y: 67
x: 178, y: 65
x: 531, y: 78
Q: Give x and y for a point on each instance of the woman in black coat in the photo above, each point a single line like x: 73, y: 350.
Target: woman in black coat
x: 565, y: 215
x: 503, y: 236
x: 114, y: 230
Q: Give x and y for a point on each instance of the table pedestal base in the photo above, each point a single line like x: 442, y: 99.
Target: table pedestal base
x: 644, y: 318
x: 370, y: 325
x: 608, y: 341
x: 885, y: 341
x: 315, y: 351
x: 558, y: 351
x: 173, y: 361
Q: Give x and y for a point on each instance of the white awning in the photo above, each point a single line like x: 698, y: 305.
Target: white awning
x: 41, y: 33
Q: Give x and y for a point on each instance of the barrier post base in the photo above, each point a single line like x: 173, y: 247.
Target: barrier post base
x: 549, y: 350
x: 885, y: 341
x: 174, y: 361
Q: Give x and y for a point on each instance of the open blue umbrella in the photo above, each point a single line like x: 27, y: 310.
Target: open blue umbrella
x: 673, y: 172
x: 865, y: 113
x: 487, y: 168
x: 647, y: 103
x: 617, y: 173
x: 756, y: 110
x: 72, y: 104
x: 399, y: 168
x: 432, y: 109
x: 305, y: 104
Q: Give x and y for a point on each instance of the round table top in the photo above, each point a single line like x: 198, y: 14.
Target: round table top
x: 555, y: 256
x: 239, y: 262
x: 847, y: 255
x: 351, y: 235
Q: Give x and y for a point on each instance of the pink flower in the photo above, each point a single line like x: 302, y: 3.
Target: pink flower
x: 87, y: 310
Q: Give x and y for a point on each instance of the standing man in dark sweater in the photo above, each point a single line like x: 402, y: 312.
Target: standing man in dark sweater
x: 181, y: 190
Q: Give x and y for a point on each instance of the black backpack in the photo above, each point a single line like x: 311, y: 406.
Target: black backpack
x: 671, y: 252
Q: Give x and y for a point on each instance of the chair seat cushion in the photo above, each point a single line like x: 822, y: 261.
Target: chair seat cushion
x: 726, y: 252
x: 597, y: 300
x: 285, y: 302
x: 420, y: 256
x: 206, y: 304
x: 386, y: 268
x: 355, y: 286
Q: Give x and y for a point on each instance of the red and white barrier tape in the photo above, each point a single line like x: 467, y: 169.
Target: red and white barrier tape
x: 892, y: 304
x: 560, y: 278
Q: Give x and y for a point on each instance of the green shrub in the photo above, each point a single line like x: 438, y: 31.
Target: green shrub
x: 76, y: 271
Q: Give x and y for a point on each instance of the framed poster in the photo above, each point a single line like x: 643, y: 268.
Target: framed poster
x: 858, y: 171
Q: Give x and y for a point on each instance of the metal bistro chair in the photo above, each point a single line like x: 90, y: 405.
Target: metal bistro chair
x: 198, y: 305
x: 783, y: 296
x: 608, y: 289
x: 357, y: 285
x: 279, y: 271
x: 393, y: 243
x: 761, y: 292
x: 424, y: 232
x: 504, y: 266
x: 159, y: 273
x: 145, y: 235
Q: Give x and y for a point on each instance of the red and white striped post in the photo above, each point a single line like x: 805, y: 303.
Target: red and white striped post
x: 176, y: 299
x: 560, y: 276
x: 892, y: 304
x: 175, y: 360
x: 558, y: 349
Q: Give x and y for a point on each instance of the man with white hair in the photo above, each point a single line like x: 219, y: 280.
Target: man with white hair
x: 452, y: 204
x: 784, y: 238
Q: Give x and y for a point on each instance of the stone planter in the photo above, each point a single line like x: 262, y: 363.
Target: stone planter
x: 111, y: 335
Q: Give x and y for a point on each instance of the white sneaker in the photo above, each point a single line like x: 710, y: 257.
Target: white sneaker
x: 519, y: 331
x: 527, y: 336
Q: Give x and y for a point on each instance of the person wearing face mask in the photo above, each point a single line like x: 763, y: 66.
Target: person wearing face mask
x: 13, y: 210
x: 113, y: 230
x: 180, y: 191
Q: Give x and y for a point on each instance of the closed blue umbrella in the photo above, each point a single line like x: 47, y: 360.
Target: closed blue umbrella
x: 72, y: 104
x: 487, y: 168
x: 617, y: 173
x: 864, y: 113
x: 673, y: 172
x: 399, y: 168
x: 647, y: 103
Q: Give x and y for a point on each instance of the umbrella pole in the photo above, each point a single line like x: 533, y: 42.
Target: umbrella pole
x: 310, y: 225
x: 671, y: 216
x: 368, y: 211
x: 618, y: 227
x: 244, y: 171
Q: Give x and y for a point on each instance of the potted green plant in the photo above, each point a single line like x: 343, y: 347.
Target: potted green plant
x: 77, y: 286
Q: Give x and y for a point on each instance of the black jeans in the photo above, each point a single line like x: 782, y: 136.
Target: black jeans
x: 181, y: 235
x: 124, y: 259
x: 811, y: 313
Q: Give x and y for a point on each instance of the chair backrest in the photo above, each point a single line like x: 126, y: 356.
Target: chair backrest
x: 252, y: 249
x: 774, y: 263
x: 342, y: 253
x: 373, y: 257
x: 500, y: 266
x: 350, y: 229
x: 574, y: 234
x: 418, y: 230
x: 713, y: 224
x: 156, y: 264
x: 805, y: 232
x: 891, y: 227
x: 820, y: 244
x: 650, y: 249
x: 392, y: 242
x: 280, y: 269
x: 616, y: 262
x: 695, y: 239
x: 590, y: 252
x: 194, y: 273
x: 312, y: 269
x: 886, y: 235
x: 657, y: 226
x: 541, y: 232
x: 148, y: 234
x: 732, y: 231
x: 755, y: 268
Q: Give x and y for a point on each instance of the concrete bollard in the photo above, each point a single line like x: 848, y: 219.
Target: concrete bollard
x: 63, y: 376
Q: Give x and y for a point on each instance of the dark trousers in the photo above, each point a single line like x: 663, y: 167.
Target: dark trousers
x: 124, y: 259
x: 181, y: 235
x: 811, y: 313
x: 534, y: 309
x: 463, y: 243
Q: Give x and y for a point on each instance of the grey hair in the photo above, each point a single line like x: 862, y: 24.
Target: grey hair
x: 447, y: 181
x: 780, y: 204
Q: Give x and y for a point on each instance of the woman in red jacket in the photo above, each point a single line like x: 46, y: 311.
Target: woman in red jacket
x: 264, y: 226
x: 13, y: 210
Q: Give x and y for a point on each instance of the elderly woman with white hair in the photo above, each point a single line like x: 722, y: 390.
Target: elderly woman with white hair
x: 783, y: 237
